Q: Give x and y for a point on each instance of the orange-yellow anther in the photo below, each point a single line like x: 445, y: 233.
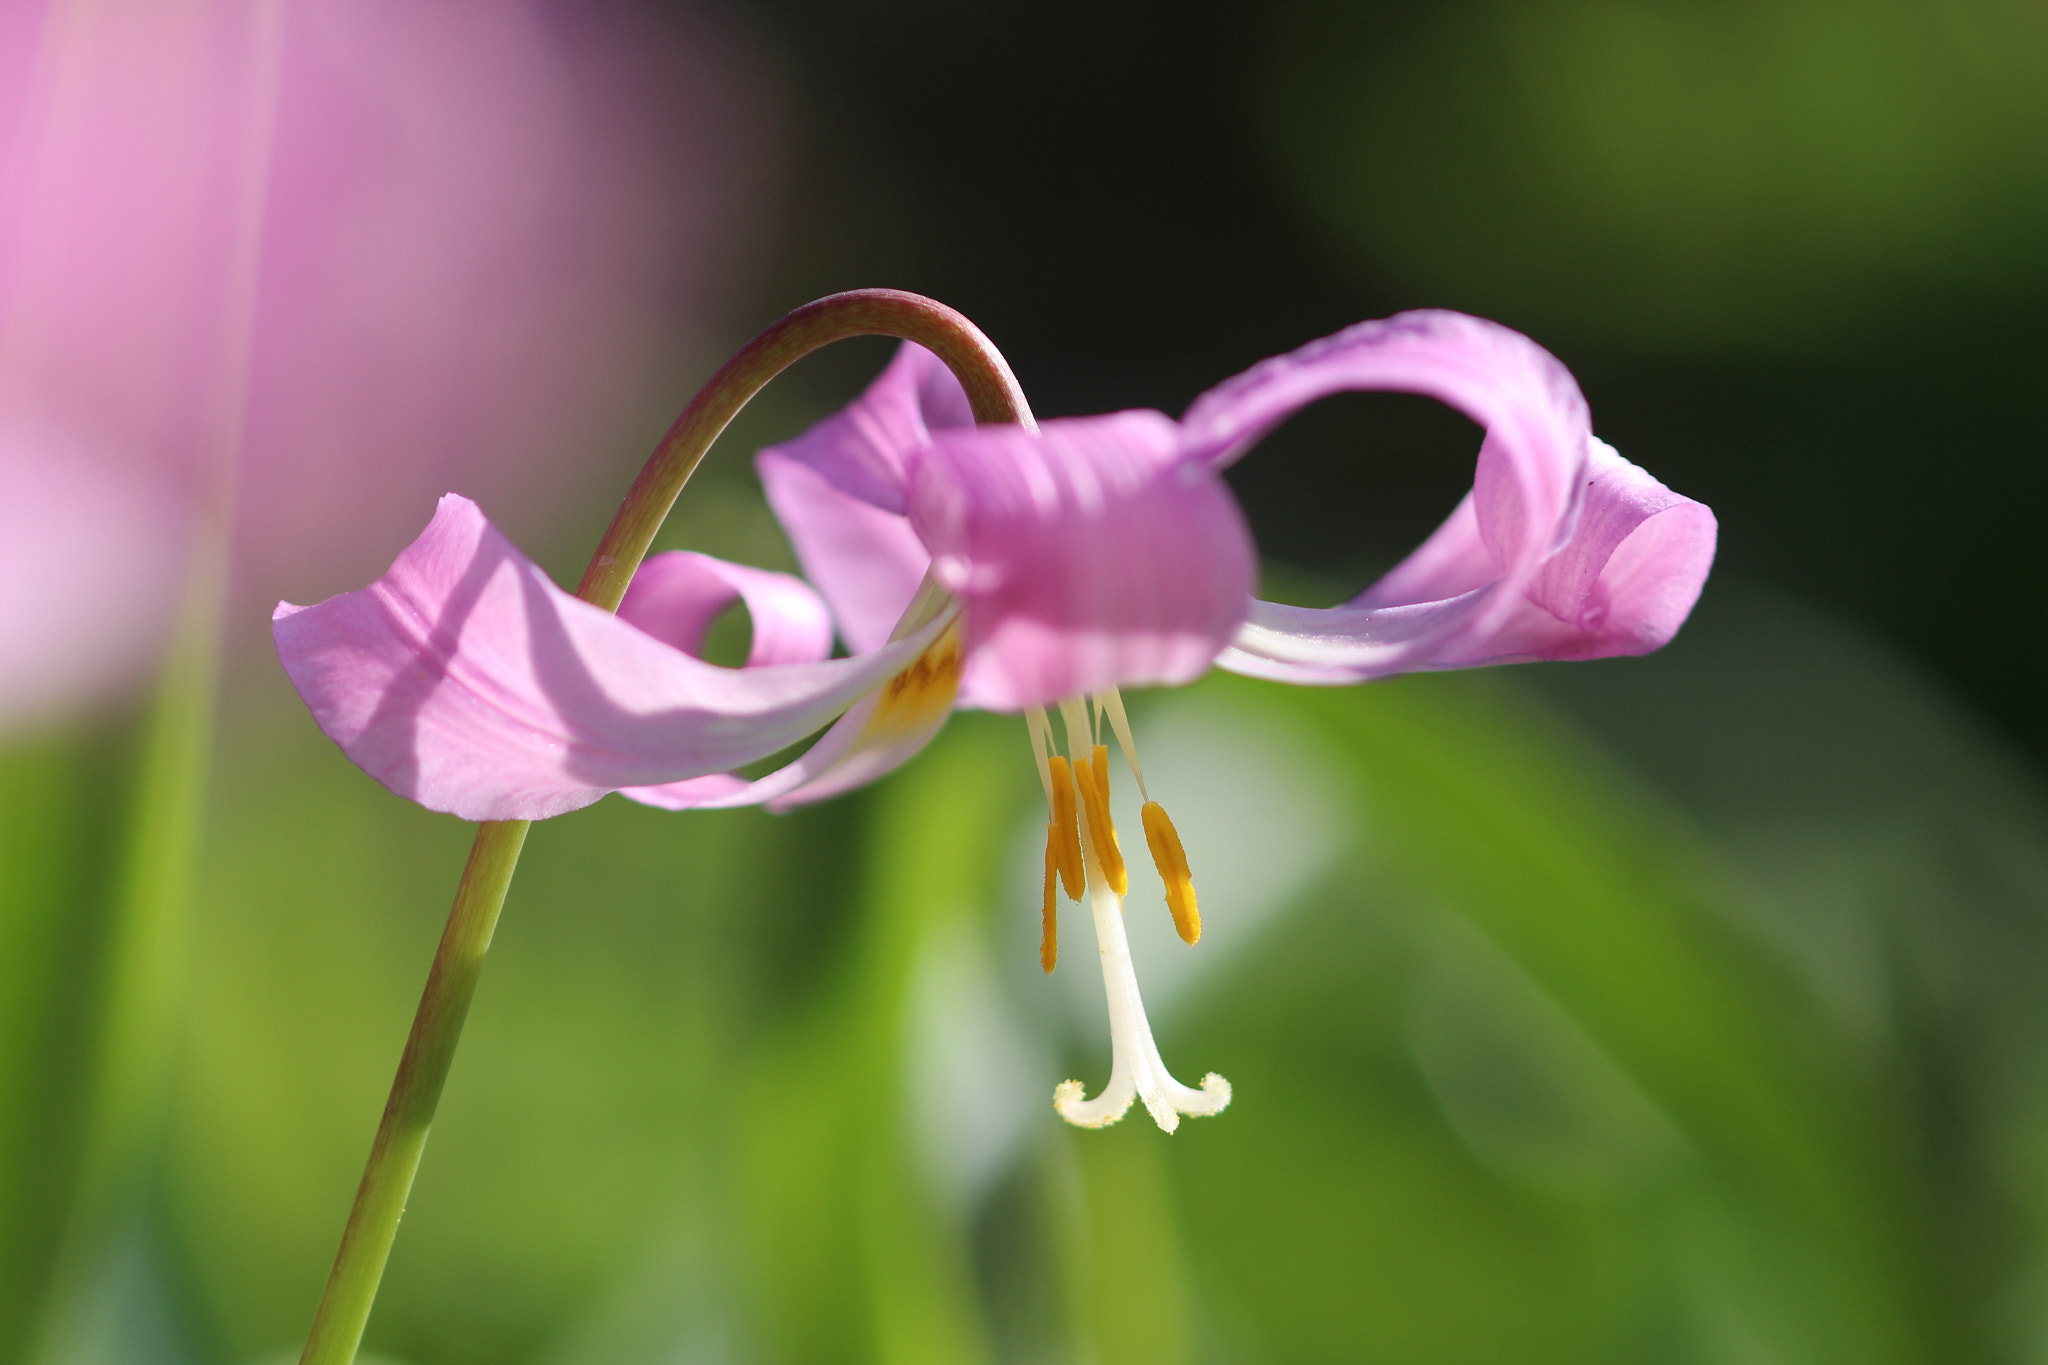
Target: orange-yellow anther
x: 1092, y: 777
x: 1049, y: 924
x: 1064, y: 831
x: 1172, y: 862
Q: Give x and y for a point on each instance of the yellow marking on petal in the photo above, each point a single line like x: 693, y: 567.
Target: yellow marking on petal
x: 1049, y: 925
x: 1072, y: 876
x: 929, y: 602
x: 1172, y: 862
x: 919, y: 697
x: 1091, y: 775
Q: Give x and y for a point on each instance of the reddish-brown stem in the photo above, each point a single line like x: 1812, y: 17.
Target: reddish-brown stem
x: 992, y: 392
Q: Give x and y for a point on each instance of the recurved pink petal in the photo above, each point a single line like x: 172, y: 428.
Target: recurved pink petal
x: 1623, y: 584
x: 676, y: 596
x: 1089, y: 555
x: 1466, y: 585
x: 835, y: 754
x: 467, y: 681
x: 1499, y: 378
x: 867, y: 561
x: 860, y: 449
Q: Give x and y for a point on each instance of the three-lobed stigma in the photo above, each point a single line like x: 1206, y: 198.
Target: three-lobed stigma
x: 1084, y: 859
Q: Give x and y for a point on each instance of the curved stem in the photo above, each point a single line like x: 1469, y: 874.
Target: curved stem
x: 451, y: 982
x: 992, y: 391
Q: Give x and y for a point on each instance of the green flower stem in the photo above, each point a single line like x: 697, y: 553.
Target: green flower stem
x: 994, y: 395
x: 409, y: 1113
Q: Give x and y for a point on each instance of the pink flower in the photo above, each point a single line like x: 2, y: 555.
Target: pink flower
x: 1002, y: 568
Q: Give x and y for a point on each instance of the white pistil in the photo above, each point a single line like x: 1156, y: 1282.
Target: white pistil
x: 1136, y: 1071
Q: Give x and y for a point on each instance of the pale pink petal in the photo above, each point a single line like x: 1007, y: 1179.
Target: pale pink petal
x: 860, y: 449
x: 483, y: 226
x: 867, y: 562
x: 848, y: 755
x: 867, y: 755
x: 1337, y: 645
x: 877, y: 735
x: 467, y: 681
x: 692, y: 793
x: 1089, y: 555
x: 676, y: 596
x: 721, y: 791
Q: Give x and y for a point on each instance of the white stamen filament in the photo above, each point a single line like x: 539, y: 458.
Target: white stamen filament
x: 1112, y: 705
x: 1041, y: 745
x: 1080, y: 738
x: 1136, y: 1071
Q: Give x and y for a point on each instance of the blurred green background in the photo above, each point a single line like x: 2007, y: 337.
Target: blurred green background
x: 1686, y: 1009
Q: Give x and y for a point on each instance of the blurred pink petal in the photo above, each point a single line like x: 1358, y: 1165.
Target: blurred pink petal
x: 1088, y: 555
x: 494, y: 226
x: 487, y: 228
x: 467, y: 681
x: 84, y: 593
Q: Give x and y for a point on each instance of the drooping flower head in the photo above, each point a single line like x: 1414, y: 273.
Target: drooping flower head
x: 1008, y: 568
